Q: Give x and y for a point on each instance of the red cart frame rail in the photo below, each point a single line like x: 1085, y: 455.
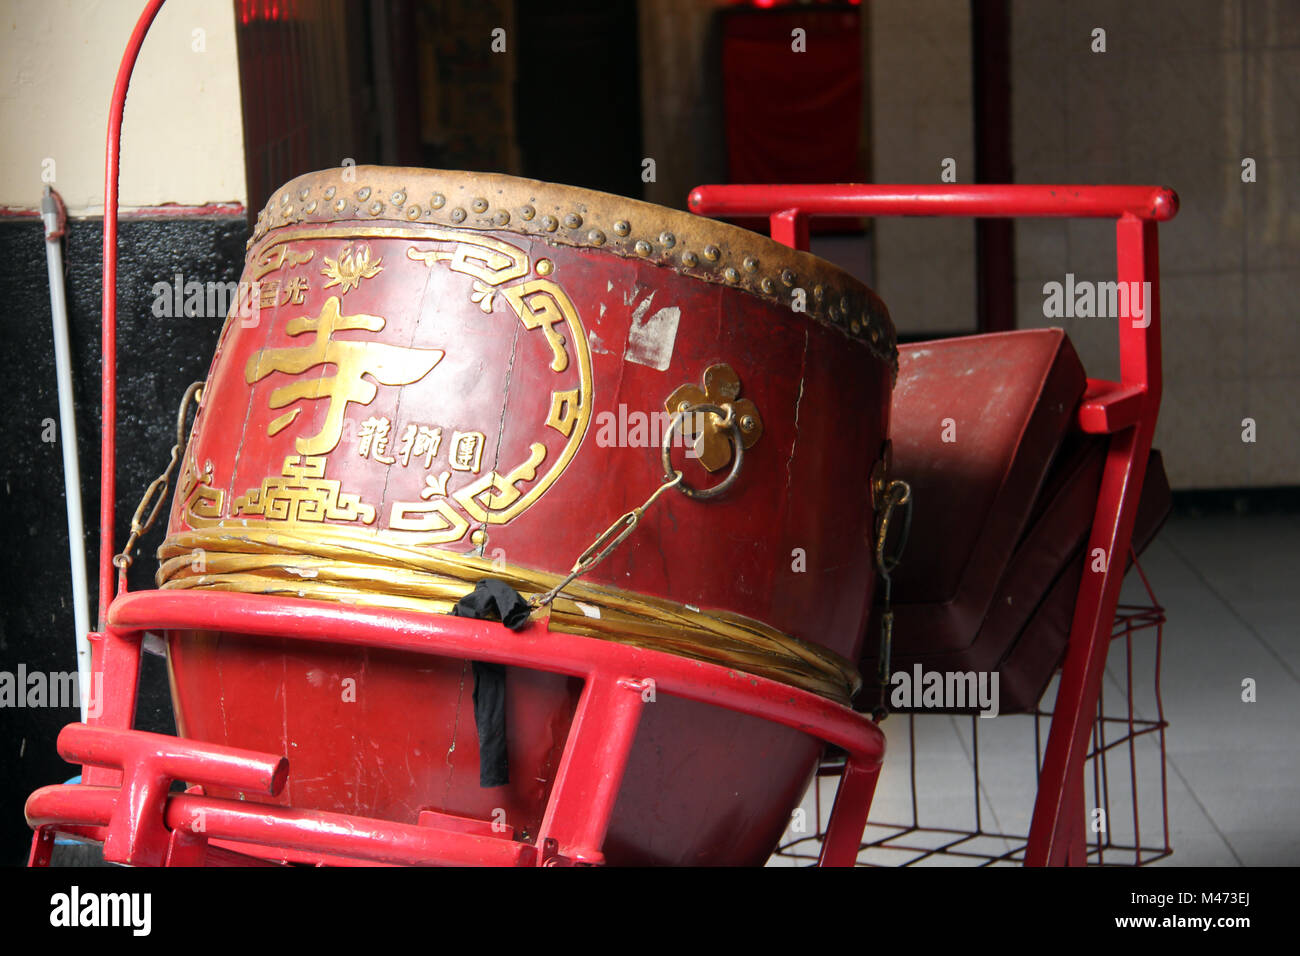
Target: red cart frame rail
x: 124, y: 800
x: 1125, y: 410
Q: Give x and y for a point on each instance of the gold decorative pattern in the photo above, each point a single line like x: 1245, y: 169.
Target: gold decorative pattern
x: 539, y: 304
x: 564, y: 411
x: 351, y: 266
x: 302, y: 495
x: 712, y: 441
x: 277, y: 258
x: 559, y: 215
x: 500, y: 490
x: 201, y: 503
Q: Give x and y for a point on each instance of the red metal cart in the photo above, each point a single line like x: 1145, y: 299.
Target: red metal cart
x: 1124, y: 412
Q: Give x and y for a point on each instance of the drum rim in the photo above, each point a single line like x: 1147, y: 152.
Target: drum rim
x: 691, y: 245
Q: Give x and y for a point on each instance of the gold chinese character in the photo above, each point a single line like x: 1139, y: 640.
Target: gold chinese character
x: 467, y: 451
x: 373, y: 436
x: 420, y: 440
x: 386, y: 364
x: 294, y: 291
x: 269, y: 293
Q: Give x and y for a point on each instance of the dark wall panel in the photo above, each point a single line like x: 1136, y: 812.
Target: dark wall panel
x: 157, y: 359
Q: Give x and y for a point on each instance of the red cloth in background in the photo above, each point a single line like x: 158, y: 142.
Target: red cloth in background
x: 793, y: 117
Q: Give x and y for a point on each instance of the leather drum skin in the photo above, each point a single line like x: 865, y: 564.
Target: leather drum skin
x: 453, y: 375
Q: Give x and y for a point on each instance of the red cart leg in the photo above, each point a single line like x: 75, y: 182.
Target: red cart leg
x: 591, y: 770
x: 849, y: 815
x: 1058, y: 829
x: 42, y: 847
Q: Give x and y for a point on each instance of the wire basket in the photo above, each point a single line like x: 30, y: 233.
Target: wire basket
x: 978, y: 814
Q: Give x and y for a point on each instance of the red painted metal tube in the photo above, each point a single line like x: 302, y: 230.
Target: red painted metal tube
x: 1056, y: 832
x: 382, y: 841
x: 582, y: 802
x: 849, y: 815
x: 201, y: 763
x: 847, y: 201
x: 108, y: 330
x: 534, y: 647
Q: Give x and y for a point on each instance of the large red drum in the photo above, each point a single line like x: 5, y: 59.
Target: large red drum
x: 451, y: 376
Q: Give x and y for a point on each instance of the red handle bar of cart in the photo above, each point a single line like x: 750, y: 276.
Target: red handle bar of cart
x: 1125, y: 410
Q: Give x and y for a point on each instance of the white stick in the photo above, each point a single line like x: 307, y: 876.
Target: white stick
x: 68, y: 441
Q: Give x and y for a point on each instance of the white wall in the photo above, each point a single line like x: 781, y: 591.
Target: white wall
x: 922, y: 114
x: 182, y: 139
x: 1185, y: 90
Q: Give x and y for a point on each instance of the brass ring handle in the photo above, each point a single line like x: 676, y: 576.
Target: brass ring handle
x: 728, y: 416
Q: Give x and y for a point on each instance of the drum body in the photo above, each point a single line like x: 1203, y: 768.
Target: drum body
x: 450, y: 370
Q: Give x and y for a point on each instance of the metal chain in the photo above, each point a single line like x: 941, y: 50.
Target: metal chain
x: 605, y: 543
x: 617, y: 533
x: 899, y: 493
x: 156, y: 493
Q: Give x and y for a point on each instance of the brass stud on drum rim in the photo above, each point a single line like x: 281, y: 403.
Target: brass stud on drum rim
x: 761, y: 267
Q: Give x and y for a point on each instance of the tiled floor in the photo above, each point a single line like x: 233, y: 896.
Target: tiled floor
x: 1229, y: 586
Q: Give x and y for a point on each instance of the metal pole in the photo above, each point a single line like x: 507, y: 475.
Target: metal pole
x: 51, y: 214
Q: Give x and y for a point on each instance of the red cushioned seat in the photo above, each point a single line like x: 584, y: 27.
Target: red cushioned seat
x: 1005, y: 490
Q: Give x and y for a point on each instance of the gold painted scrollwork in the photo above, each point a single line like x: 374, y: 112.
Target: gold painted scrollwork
x: 202, y: 503
x: 499, y: 490
x: 302, y: 494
